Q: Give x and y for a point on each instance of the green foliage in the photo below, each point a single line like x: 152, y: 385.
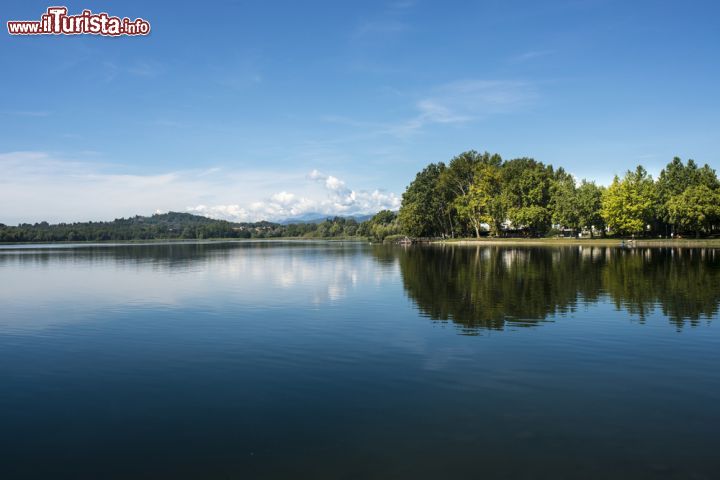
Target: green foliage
x: 696, y: 209
x: 588, y: 202
x: 383, y: 224
x: 526, y: 197
x: 395, y: 238
x: 564, y: 201
x: 481, y: 203
x: 174, y: 226
x: 337, y: 227
x: 424, y: 207
x: 171, y: 225
x: 676, y: 179
x: 629, y: 205
x: 526, y: 194
x: 462, y: 170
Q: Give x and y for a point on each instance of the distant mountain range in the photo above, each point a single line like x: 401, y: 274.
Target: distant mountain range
x: 315, y: 217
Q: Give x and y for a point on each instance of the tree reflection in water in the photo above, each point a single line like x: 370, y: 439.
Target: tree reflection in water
x: 490, y: 287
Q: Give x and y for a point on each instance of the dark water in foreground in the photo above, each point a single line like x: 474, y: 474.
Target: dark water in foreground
x: 348, y: 361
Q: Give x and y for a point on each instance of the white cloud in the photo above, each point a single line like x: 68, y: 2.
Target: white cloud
x: 338, y: 200
x: 27, y: 113
x: 465, y: 101
x: 530, y: 55
x: 382, y: 27
x: 402, y: 4
x: 334, y: 183
x: 283, y: 198
x: 38, y: 186
x: 144, y: 69
x: 452, y: 103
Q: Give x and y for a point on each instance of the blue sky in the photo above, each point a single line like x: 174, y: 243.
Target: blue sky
x: 248, y: 110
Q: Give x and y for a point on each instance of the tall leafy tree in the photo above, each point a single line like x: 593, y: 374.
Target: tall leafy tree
x: 480, y: 204
x: 564, y: 201
x: 456, y: 181
x: 695, y: 209
x: 445, y: 195
x: 674, y: 180
x: 422, y: 209
x: 526, y: 193
x: 462, y: 169
x: 588, y: 200
x: 628, y: 205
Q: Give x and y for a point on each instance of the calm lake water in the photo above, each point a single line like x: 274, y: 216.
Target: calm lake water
x: 350, y: 361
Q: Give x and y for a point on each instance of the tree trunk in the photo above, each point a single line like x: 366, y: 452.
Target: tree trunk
x: 498, y: 228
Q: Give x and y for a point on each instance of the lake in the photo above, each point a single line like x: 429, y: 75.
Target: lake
x: 330, y: 360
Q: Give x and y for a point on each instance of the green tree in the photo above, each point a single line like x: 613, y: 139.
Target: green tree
x: 381, y: 225
x: 564, y: 201
x: 422, y: 212
x: 526, y: 186
x: 628, y: 205
x: 462, y: 169
x: 589, y: 205
x: 480, y: 204
x: 675, y: 179
x: 696, y: 209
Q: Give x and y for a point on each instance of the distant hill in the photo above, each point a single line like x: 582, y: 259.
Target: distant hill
x: 169, y: 219
x: 172, y: 225
x: 179, y: 225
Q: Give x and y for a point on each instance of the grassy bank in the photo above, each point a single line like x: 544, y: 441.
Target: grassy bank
x: 599, y: 242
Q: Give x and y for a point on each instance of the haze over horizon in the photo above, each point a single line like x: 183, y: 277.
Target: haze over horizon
x: 270, y: 111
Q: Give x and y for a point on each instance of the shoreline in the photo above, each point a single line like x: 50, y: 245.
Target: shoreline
x: 594, y: 242
x: 531, y: 242
x: 176, y: 241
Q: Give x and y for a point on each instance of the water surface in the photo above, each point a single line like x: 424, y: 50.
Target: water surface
x: 345, y: 360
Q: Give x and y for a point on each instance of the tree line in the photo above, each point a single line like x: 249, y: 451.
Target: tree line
x: 181, y: 226
x: 473, y: 195
x: 478, y: 194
